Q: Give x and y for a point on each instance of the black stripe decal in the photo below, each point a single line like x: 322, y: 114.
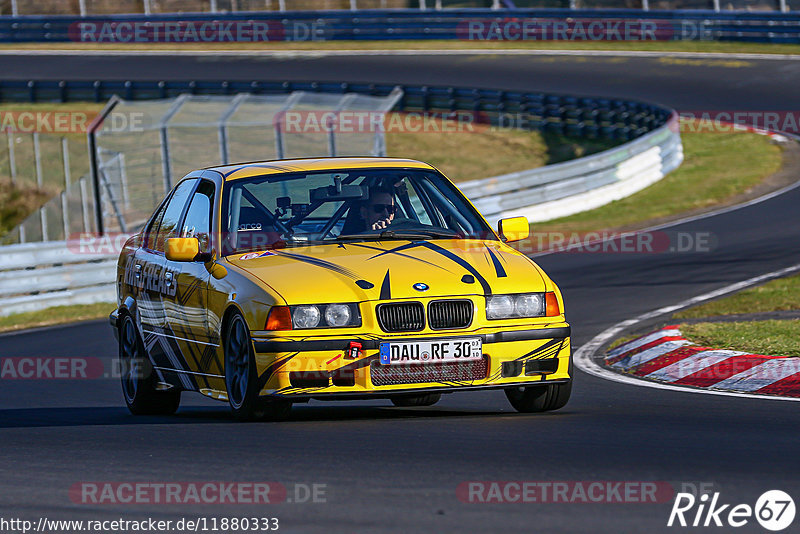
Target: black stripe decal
x: 386, y: 289
x: 395, y: 251
x: 487, y: 289
x: 267, y: 374
x: 321, y: 263
x: 498, y: 267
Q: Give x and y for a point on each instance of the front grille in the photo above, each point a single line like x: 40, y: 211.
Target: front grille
x: 387, y: 375
x: 443, y: 314
x: 401, y: 317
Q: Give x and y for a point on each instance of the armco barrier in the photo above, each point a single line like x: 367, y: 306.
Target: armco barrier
x: 564, y: 24
x: 36, y: 275
x: 582, y: 184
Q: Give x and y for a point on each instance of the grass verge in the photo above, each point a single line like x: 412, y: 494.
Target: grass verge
x: 716, y: 167
x: 56, y: 315
x: 722, y: 47
x: 17, y: 201
x: 485, y: 152
x: 773, y: 338
x: 776, y: 295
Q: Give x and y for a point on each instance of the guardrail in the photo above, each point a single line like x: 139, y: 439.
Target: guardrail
x: 34, y: 276
x: 411, y: 24
x: 579, y: 185
x: 652, y: 149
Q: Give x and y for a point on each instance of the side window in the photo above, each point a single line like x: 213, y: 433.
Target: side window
x: 152, y: 231
x: 198, y: 218
x: 172, y: 215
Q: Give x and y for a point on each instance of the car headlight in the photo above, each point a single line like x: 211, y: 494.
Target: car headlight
x: 500, y: 306
x: 305, y: 316
x: 522, y: 305
x: 336, y: 315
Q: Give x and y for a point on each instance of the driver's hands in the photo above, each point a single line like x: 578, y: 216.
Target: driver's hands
x: 381, y: 224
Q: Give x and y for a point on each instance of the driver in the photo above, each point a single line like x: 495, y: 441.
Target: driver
x: 379, y: 210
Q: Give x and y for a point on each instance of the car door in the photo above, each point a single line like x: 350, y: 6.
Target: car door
x: 187, y: 317
x: 157, y: 280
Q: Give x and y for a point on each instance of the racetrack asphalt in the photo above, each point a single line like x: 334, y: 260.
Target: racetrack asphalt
x: 396, y: 469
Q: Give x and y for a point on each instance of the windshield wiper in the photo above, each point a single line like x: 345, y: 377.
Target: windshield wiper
x: 395, y: 234
x: 417, y: 234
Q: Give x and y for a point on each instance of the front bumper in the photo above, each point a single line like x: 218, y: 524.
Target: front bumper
x: 321, y: 367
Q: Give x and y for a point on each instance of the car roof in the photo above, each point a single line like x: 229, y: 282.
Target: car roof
x: 259, y: 168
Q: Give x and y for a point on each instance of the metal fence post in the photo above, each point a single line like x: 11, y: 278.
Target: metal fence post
x: 353, y: 5
x: 65, y: 214
x: 84, y: 209
x: 123, y: 178
x: 716, y: 5
x: 164, y: 140
x: 147, y: 7
x: 12, y: 161
x: 281, y: 5
x: 646, y: 5
x: 65, y: 159
x: 37, y: 157
x: 784, y: 7
x: 43, y: 221
x: 14, y: 8
x: 213, y: 6
x: 82, y: 7
x: 280, y: 148
x: 222, y: 133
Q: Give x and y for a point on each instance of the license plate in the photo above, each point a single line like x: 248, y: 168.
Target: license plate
x: 431, y: 351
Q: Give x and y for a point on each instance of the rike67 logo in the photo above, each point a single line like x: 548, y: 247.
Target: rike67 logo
x: 774, y: 510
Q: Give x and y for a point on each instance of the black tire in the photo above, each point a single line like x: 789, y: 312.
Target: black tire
x: 241, y: 377
x: 427, y: 399
x: 543, y: 398
x: 137, y: 376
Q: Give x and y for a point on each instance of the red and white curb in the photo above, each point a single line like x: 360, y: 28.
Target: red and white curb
x: 666, y: 356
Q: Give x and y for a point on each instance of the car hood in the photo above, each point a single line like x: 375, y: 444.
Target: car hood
x: 380, y: 270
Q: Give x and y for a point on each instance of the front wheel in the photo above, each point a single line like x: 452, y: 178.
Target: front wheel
x: 138, y: 379
x: 542, y: 398
x: 241, y: 378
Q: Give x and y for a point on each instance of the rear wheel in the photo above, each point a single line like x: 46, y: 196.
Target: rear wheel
x: 138, y: 379
x: 542, y: 398
x: 241, y: 378
x: 427, y: 399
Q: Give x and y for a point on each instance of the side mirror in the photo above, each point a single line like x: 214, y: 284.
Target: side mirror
x: 182, y: 248
x: 513, y: 229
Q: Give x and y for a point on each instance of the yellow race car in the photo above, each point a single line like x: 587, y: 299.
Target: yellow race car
x: 271, y: 283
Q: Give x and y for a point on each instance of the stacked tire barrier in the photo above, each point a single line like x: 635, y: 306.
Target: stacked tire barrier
x: 35, y: 276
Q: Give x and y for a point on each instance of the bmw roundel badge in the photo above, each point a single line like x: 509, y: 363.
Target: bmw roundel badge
x: 419, y: 286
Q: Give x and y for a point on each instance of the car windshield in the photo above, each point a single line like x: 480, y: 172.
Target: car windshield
x: 296, y: 209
